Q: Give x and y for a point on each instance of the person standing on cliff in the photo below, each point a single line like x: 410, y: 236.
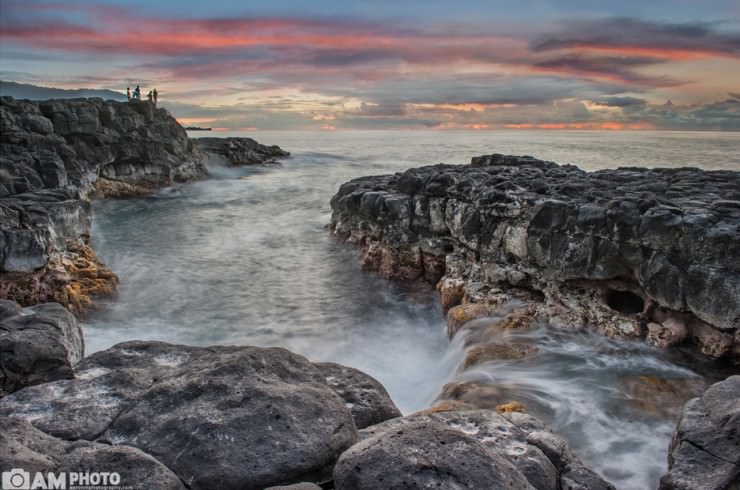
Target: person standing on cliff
x: 150, y: 96
x: 154, y: 92
x: 137, y: 93
x: 128, y: 93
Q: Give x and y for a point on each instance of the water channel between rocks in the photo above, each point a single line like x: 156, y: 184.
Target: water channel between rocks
x: 243, y: 258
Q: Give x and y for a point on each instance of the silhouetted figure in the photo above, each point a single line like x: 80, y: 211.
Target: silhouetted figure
x: 137, y: 93
x: 150, y: 96
x: 154, y: 92
x: 128, y: 93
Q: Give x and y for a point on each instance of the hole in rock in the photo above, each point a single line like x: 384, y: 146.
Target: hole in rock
x: 624, y: 302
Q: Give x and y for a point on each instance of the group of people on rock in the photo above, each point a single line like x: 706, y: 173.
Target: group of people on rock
x: 136, y: 95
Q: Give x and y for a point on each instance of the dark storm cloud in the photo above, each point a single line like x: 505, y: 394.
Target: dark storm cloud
x: 618, y: 32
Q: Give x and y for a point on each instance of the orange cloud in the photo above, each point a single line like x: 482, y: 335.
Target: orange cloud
x: 606, y: 125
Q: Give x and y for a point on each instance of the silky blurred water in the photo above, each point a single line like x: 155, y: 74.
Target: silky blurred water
x: 244, y: 258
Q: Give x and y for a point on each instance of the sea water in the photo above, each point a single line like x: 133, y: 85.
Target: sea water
x: 243, y: 258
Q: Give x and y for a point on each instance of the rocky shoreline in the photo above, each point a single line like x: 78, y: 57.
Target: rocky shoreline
x: 174, y: 416
x: 515, y: 242
x: 56, y: 155
x: 631, y: 253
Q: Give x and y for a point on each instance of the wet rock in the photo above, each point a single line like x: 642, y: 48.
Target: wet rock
x: 366, y: 398
x: 296, y: 486
x: 240, y: 151
x: 54, y: 155
x: 506, y: 435
x: 37, y: 344
x: 497, y: 327
x: 459, y: 315
x: 26, y: 447
x: 494, y: 351
x: 612, y: 250
x: 576, y: 477
x: 705, y: 448
x: 659, y: 397
x: 424, y: 454
x: 243, y: 417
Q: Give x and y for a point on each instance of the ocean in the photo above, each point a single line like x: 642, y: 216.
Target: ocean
x: 243, y: 257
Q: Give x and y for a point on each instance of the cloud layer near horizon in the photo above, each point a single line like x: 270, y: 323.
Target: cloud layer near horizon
x: 297, y: 72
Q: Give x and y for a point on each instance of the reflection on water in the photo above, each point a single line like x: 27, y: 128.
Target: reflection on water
x: 244, y: 258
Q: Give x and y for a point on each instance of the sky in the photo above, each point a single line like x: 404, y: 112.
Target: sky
x: 343, y: 64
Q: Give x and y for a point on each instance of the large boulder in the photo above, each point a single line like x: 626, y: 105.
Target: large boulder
x: 231, y: 417
x: 366, y: 398
x: 425, y: 454
x: 24, y: 447
x: 510, y: 449
x: 37, y: 344
x: 705, y: 448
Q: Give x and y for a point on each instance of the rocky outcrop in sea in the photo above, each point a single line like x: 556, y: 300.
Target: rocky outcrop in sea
x: 55, y: 155
x: 631, y: 252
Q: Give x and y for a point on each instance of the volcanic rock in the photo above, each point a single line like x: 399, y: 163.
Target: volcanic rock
x: 230, y: 417
x: 56, y: 154
x: 37, y: 344
x: 705, y: 448
x: 616, y: 250
x: 25, y: 447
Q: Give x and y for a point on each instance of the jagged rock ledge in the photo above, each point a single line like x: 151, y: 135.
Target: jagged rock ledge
x: 55, y: 155
x: 631, y: 252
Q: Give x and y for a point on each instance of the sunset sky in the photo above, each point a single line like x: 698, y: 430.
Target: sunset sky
x: 330, y: 64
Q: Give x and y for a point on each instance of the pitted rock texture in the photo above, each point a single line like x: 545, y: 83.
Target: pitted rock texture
x: 68, y: 144
x: 57, y: 153
x: 240, y: 151
x: 37, y: 344
x: 366, y: 398
x: 632, y: 252
x: 25, y: 447
x: 705, y: 448
x: 428, y: 450
x: 225, y: 417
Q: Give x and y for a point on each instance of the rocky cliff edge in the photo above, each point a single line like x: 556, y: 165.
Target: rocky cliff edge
x: 56, y: 154
x: 631, y: 252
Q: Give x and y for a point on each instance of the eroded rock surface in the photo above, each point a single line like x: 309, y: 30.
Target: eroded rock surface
x: 25, y: 447
x: 366, y: 398
x: 705, y: 448
x: 632, y: 252
x: 37, y: 344
x: 53, y: 156
x: 240, y: 151
x: 229, y: 417
x: 462, y: 449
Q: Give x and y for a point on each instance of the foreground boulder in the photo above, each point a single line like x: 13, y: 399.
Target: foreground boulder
x: 463, y: 449
x: 37, y: 344
x: 24, y: 447
x: 226, y: 417
x: 366, y: 398
x: 425, y: 454
x: 631, y: 252
x: 705, y: 448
